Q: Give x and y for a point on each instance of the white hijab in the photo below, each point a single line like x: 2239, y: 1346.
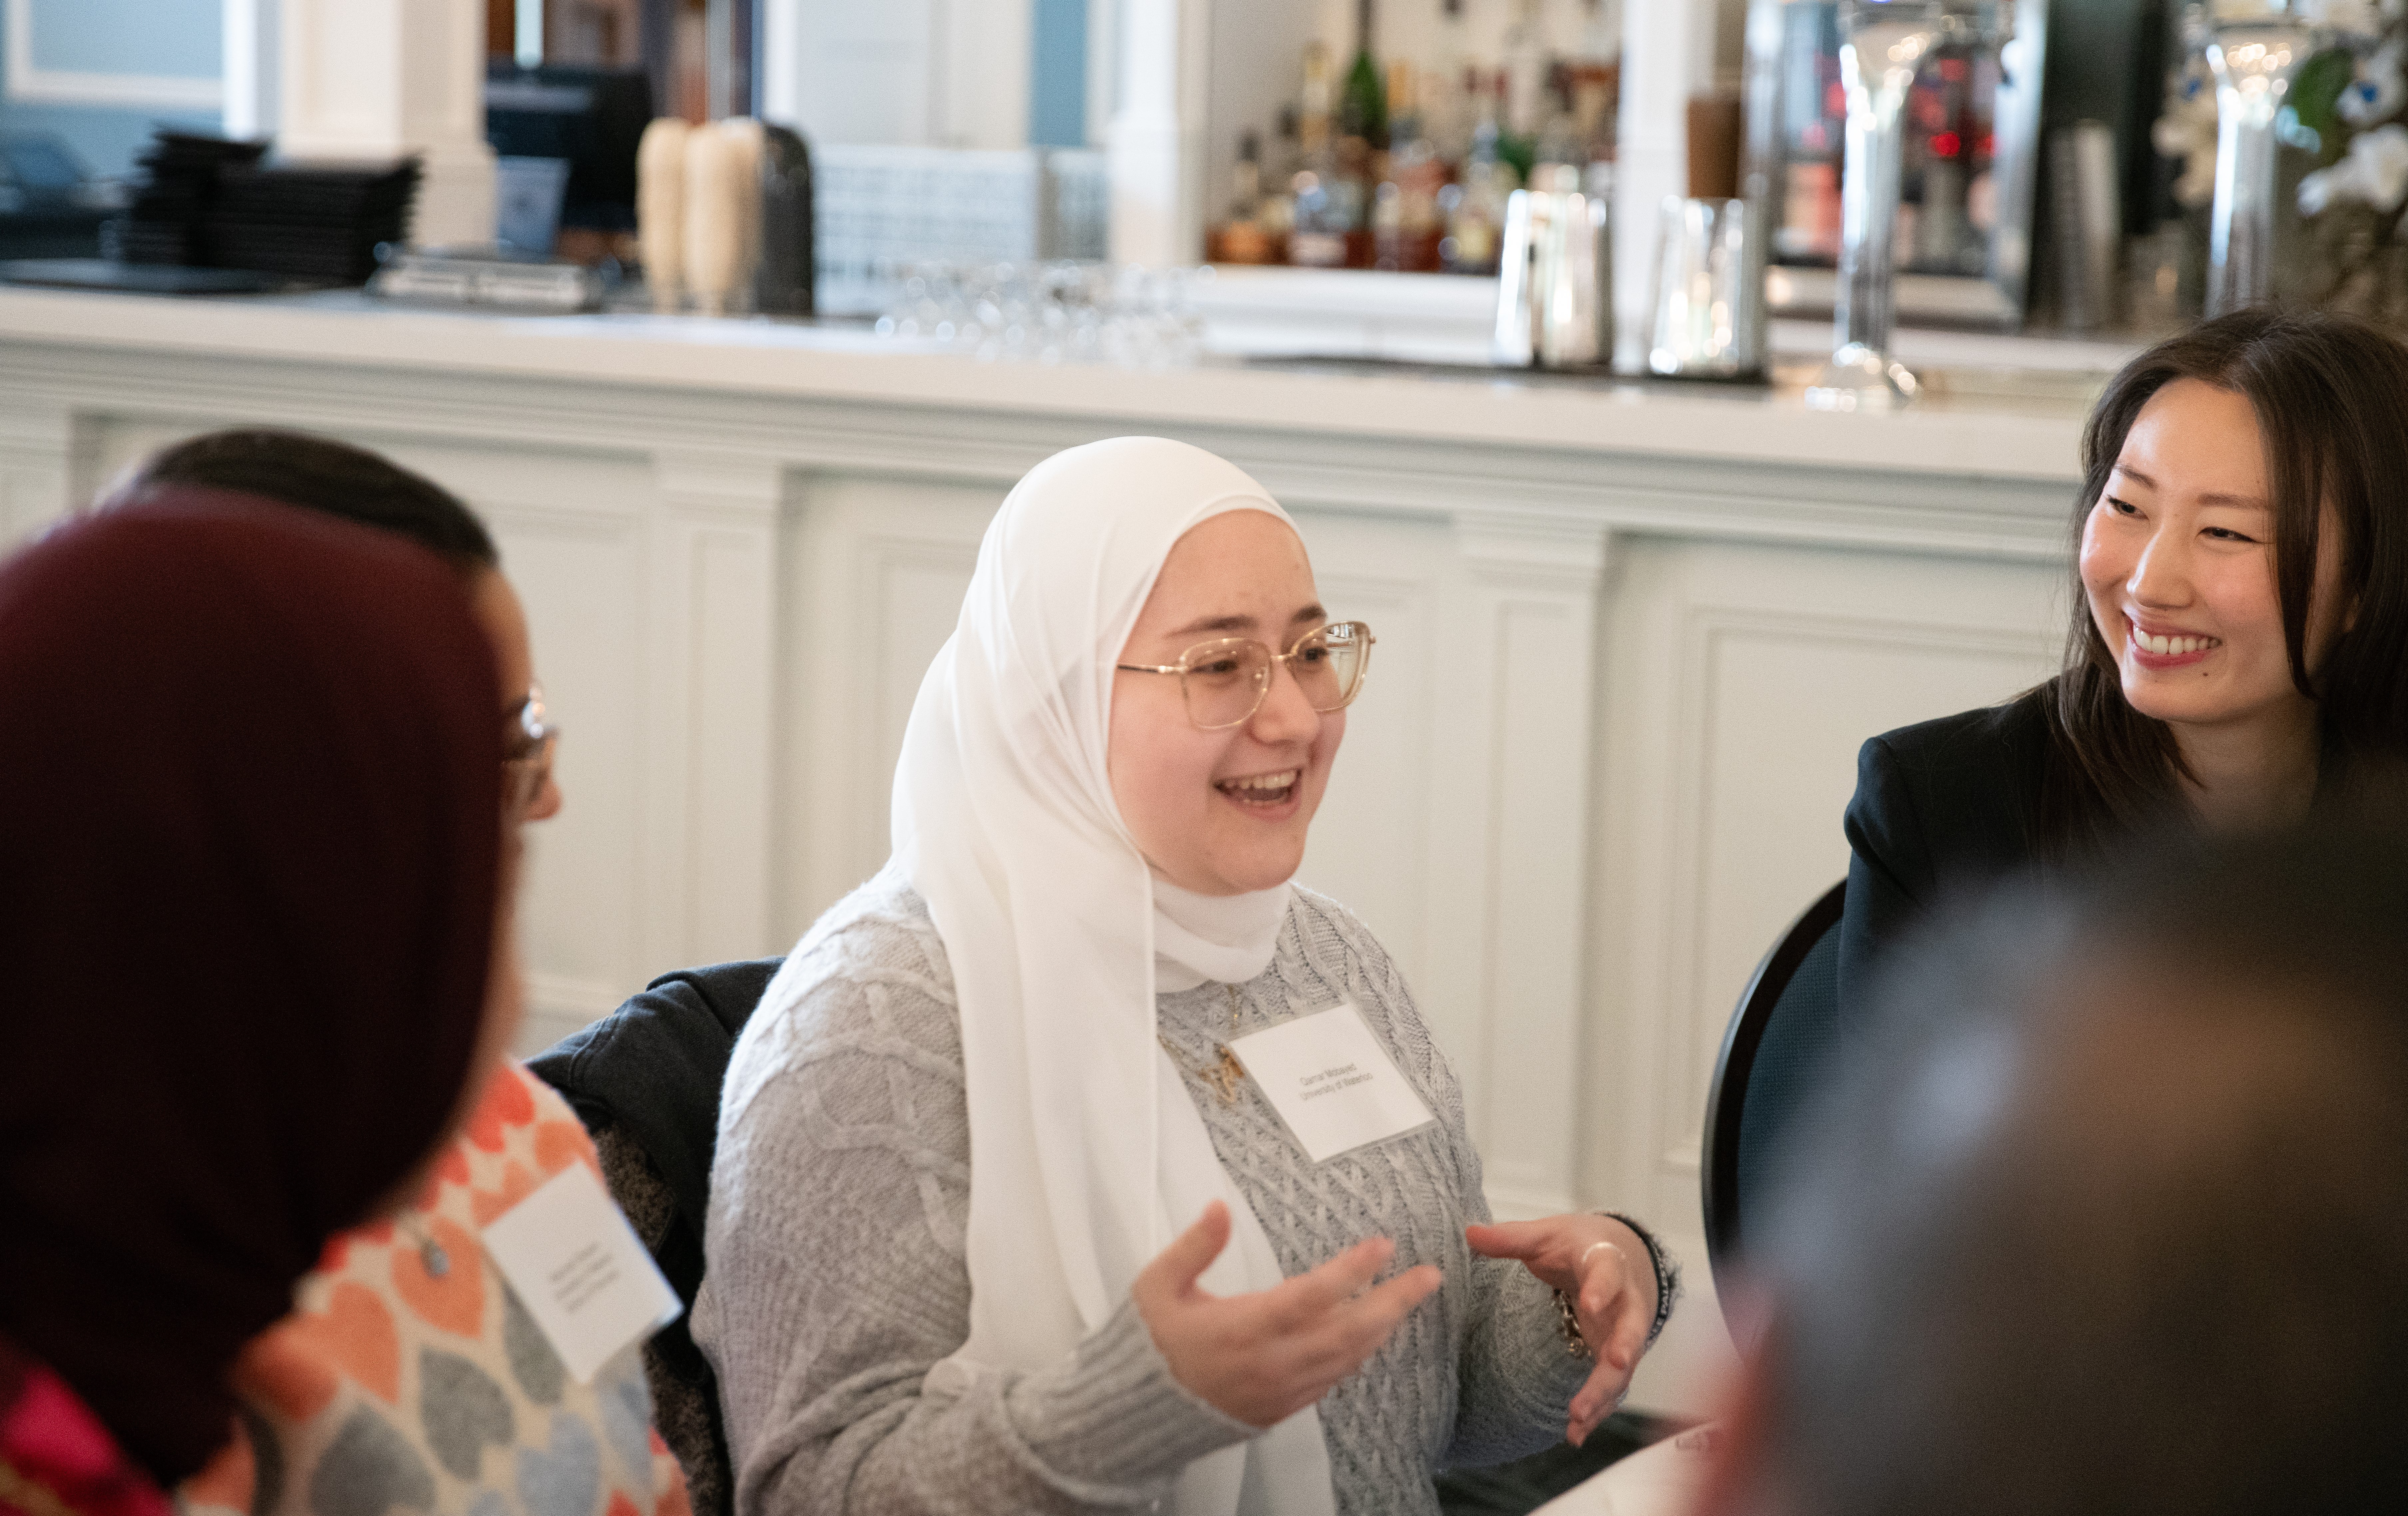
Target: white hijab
x: 1087, y: 1156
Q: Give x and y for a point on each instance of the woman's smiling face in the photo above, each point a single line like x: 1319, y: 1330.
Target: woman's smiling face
x: 2178, y: 565
x: 1222, y: 812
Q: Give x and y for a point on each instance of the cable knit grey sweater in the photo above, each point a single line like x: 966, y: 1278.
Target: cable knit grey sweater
x: 836, y: 1276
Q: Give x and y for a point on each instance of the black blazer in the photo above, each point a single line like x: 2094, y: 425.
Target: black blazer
x: 1941, y: 807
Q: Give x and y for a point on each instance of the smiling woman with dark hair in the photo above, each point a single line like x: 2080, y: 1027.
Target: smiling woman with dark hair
x: 2239, y: 654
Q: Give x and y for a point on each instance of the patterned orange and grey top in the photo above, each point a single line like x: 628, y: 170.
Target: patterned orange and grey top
x: 411, y: 1375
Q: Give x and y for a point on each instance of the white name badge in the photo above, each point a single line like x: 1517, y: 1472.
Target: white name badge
x: 581, y: 1271
x: 1332, y: 1081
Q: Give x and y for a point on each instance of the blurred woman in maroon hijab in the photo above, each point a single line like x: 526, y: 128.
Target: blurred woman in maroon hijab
x: 249, y: 867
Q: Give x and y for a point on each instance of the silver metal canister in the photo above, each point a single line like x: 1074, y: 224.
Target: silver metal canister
x: 1708, y: 311
x: 1555, y: 278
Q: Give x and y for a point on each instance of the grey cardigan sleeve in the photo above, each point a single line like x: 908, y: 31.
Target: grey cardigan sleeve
x: 837, y: 1281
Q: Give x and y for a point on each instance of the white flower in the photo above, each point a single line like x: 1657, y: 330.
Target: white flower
x: 2187, y: 132
x: 2317, y: 190
x: 2376, y: 173
x: 2379, y: 90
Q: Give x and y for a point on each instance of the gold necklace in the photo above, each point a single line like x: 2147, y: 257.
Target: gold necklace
x: 1223, y: 1078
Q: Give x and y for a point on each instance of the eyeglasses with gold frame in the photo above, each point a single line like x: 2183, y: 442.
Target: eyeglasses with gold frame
x: 1226, y: 680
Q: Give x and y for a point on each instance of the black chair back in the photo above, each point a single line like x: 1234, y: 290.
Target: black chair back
x: 1788, y: 1018
x: 651, y: 1072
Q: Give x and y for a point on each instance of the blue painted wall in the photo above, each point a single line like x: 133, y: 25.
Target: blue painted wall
x: 175, y: 38
x: 1057, y: 74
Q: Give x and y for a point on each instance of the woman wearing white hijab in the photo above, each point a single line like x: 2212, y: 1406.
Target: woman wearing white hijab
x: 962, y: 1134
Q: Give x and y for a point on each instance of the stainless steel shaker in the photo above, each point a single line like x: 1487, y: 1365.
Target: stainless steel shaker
x: 1709, y: 310
x: 1554, y: 278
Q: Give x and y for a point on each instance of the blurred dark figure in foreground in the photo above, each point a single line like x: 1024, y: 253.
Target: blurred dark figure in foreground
x: 2114, y: 1218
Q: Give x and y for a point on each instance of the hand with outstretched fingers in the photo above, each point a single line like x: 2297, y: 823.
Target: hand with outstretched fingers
x: 1602, y: 1267
x: 1263, y: 1357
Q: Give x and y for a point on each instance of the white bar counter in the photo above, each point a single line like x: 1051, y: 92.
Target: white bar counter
x: 1630, y: 637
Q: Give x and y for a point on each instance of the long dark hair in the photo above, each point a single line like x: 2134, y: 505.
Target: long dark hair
x: 2330, y: 394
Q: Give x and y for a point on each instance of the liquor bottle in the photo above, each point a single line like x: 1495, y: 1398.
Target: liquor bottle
x: 1246, y: 178
x: 1332, y: 226
x: 1277, y: 212
x: 1314, y: 106
x: 1475, y: 209
x: 1406, y: 223
x: 1328, y: 206
x: 1363, y: 108
x: 1408, y: 112
x: 1560, y: 140
x: 1318, y: 239
x: 1244, y: 239
x: 1525, y: 71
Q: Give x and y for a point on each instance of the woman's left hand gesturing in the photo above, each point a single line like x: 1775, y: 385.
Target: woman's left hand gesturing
x: 1601, y: 1267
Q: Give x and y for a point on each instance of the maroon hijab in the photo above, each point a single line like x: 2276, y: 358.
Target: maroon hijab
x: 250, y: 827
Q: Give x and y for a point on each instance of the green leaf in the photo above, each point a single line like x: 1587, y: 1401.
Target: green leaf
x: 2315, y: 98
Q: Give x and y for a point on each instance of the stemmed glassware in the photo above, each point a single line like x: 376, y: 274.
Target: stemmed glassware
x: 1053, y: 312
x: 1883, y: 45
x: 2253, y: 55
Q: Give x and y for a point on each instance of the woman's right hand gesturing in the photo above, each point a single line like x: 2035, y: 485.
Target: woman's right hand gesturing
x: 1265, y: 1356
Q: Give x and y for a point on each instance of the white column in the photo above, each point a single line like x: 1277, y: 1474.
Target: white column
x: 249, y: 68
x: 1156, y: 147
x: 1667, y: 55
x: 779, y: 65
x: 378, y: 79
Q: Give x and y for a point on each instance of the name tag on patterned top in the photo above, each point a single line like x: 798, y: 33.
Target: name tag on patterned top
x: 581, y: 1271
x: 1332, y: 1081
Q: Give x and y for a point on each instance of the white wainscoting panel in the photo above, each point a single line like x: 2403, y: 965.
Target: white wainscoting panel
x: 1738, y: 683
x: 39, y: 450
x: 571, y: 530
x: 877, y: 568
x: 1371, y: 842
x: 711, y: 619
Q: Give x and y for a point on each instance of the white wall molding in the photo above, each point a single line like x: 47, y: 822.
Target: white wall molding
x: 36, y: 85
x: 1741, y: 680
x: 877, y: 565
x: 1519, y: 649
x: 1564, y: 553
x: 710, y: 610
x: 45, y: 463
x: 557, y: 1005
x: 586, y: 999
x: 1710, y: 639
